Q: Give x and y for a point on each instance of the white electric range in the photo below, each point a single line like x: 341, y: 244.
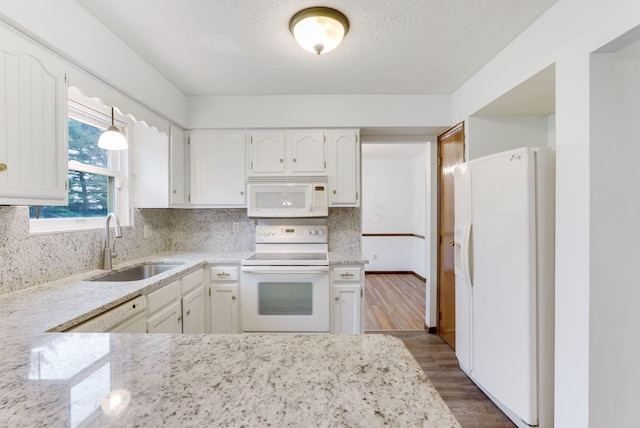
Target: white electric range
x: 285, y: 283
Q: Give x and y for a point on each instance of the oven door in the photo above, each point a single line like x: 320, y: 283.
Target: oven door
x: 285, y: 298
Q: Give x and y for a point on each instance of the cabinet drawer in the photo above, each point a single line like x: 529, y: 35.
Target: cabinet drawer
x: 346, y: 274
x: 163, y: 296
x: 191, y: 281
x: 224, y: 273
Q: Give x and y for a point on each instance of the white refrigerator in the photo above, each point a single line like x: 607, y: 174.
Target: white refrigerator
x: 504, y: 266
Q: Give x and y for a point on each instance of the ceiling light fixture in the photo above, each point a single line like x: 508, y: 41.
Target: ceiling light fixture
x: 112, y: 138
x: 319, y: 29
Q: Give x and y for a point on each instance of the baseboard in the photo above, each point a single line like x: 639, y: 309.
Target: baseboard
x: 396, y: 272
x: 430, y: 330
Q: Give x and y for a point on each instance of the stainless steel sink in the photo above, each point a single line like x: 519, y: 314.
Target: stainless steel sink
x: 137, y: 273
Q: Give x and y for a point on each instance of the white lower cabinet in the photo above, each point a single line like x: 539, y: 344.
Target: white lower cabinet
x: 224, y: 300
x: 347, y: 300
x: 193, y: 303
x: 178, y: 307
x: 166, y: 320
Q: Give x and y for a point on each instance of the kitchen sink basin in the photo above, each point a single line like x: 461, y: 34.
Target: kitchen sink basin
x: 137, y: 273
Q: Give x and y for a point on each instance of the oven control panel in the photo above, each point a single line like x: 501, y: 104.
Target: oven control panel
x: 299, y: 234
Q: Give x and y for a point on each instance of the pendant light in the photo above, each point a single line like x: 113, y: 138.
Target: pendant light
x: 319, y: 29
x: 112, y: 138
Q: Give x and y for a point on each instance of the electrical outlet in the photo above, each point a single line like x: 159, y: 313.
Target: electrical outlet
x: 235, y: 227
x: 351, y: 225
x: 148, y: 231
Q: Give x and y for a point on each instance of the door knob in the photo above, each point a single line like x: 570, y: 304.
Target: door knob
x: 3, y: 167
x: 452, y: 243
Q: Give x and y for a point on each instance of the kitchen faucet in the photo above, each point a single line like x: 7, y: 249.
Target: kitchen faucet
x: 109, y: 248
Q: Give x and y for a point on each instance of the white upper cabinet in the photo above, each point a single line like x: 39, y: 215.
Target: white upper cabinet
x: 284, y: 153
x: 33, y: 124
x: 176, y: 166
x: 344, y: 168
x: 307, y: 152
x: 158, y: 167
x: 218, y: 169
x: 267, y: 153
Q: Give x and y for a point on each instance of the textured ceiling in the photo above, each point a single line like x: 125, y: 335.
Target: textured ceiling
x: 243, y: 47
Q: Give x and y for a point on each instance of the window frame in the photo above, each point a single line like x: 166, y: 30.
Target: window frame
x: 95, y: 113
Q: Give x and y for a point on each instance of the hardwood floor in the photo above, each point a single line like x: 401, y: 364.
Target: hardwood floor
x: 394, y: 302
x: 467, y: 402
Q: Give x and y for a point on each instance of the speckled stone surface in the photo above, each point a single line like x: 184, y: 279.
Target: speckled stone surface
x: 28, y: 260
x: 149, y: 380
x: 351, y: 258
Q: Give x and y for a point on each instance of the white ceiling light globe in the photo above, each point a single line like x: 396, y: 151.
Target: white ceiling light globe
x: 319, y: 29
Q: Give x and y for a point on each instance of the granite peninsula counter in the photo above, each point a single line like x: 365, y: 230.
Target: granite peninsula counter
x: 92, y: 379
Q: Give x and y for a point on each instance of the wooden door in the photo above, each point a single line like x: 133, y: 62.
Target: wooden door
x: 450, y: 154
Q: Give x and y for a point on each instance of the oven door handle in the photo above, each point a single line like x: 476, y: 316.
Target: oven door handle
x: 280, y: 270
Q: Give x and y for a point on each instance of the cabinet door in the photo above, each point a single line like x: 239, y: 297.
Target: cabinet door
x: 193, y: 311
x: 346, y: 316
x: 267, y: 153
x: 176, y: 166
x: 166, y: 320
x: 33, y: 124
x: 307, y: 152
x: 224, y: 309
x: 150, y: 167
x: 344, y: 168
x: 218, y: 169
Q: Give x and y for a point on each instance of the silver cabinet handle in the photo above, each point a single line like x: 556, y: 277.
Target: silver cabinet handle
x: 337, y: 298
x: 233, y: 297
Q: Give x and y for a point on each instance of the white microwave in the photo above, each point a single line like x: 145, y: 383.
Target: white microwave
x: 287, y: 199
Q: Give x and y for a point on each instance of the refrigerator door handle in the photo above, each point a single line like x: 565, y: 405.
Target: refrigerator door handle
x: 466, y: 254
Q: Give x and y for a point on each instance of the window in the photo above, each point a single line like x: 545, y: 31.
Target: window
x: 96, y: 176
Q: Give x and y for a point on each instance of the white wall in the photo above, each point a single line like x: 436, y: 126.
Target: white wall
x: 566, y: 35
x: 493, y: 134
x: 319, y: 111
x: 615, y: 209
x: 393, y: 202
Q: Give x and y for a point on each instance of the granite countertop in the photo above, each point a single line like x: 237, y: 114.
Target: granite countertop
x: 100, y: 379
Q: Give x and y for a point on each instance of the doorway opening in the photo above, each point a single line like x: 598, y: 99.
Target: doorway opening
x: 394, y: 224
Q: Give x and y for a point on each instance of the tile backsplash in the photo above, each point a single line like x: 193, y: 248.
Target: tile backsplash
x: 28, y: 260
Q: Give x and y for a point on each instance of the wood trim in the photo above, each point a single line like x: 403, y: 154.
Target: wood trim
x: 396, y: 272
x: 455, y: 128
x: 392, y: 235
